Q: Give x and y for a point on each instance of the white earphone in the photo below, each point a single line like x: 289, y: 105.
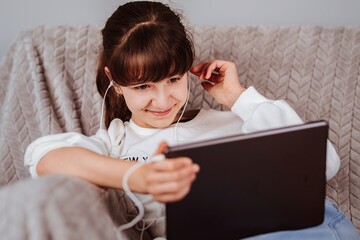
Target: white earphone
x: 103, y: 104
x: 182, y: 113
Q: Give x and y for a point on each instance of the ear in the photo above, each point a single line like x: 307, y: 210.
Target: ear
x: 116, y: 87
x: 108, y: 73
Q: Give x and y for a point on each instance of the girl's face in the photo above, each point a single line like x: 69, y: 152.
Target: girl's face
x: 156, y: 105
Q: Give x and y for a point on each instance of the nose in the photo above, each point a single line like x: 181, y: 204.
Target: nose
x: 161, y: 98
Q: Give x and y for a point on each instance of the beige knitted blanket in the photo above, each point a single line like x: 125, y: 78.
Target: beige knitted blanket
x: 47, y: 86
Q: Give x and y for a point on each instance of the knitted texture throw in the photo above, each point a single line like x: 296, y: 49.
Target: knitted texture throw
x: 48, y: 86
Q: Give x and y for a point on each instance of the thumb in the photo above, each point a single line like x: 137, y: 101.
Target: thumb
x: 207, y: 86
x: 161, y: 148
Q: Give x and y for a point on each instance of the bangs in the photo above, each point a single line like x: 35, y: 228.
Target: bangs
x: 150, y: 54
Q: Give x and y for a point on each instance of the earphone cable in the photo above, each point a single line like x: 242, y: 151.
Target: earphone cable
x: 103, y: 104
x: 182, y: 113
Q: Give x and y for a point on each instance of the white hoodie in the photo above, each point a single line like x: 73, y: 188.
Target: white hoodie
x: 251, y: 112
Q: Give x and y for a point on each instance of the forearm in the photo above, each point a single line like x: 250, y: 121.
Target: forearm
x: 165, y: 180
x: 80, y: 162
x: 260, y: 113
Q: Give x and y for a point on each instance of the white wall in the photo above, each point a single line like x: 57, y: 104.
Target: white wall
x: 17, y: 15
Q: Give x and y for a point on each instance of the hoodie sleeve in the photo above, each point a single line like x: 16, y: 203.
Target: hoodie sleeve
x: 260, y: 113
x: 100, y: 143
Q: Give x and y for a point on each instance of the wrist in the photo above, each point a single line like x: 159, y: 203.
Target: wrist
x: 234, y: 96
x: 136, y: 183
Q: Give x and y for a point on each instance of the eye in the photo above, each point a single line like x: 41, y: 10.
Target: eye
x: 142, y: 87
x: 174, y: 79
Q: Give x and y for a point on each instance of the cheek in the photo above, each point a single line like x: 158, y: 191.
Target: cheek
x: 181, y: 93
x: 135, y: 101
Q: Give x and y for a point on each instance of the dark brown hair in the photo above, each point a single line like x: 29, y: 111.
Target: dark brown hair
x: 142, y: 42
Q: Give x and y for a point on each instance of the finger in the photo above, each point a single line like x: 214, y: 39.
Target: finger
x: 171, y: 176
x: 207, y: 86
x: 173, y: 196
x: 213, y: 71
x: 215, y: 77
x: 171, y: 186
x: 171, y: 164
x: 162, y: 146
x: 217, y: 67
x: 202, y: 70
x: 196, y: 70
x: 207, y: 71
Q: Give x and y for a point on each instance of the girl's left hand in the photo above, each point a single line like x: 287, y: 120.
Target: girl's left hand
x: 166, y: 180
x: 225, y: 86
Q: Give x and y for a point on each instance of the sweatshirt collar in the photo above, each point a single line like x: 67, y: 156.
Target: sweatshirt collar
x: 141, y: 130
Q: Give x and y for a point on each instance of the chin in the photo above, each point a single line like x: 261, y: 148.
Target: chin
x: 161, y: 123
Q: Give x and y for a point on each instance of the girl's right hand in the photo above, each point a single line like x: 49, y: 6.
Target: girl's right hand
x: 168, y: 180
x: 225, y: 87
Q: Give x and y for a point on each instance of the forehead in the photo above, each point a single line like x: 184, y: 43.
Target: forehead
x: 144, y: 80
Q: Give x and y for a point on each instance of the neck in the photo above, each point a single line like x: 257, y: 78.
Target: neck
x: 187, y: 116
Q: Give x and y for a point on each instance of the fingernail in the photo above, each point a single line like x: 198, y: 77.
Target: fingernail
x: 196, y: 168
x: 188, y: 161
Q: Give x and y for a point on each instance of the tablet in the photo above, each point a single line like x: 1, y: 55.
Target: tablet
x: 251, y: 184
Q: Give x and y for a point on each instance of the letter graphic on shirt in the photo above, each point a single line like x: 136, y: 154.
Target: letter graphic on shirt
x: 136, y: 155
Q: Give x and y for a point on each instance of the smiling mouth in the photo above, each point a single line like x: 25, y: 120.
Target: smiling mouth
x: 160, y: 113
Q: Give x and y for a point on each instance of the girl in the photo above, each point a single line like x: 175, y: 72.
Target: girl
x: 143, y: 77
